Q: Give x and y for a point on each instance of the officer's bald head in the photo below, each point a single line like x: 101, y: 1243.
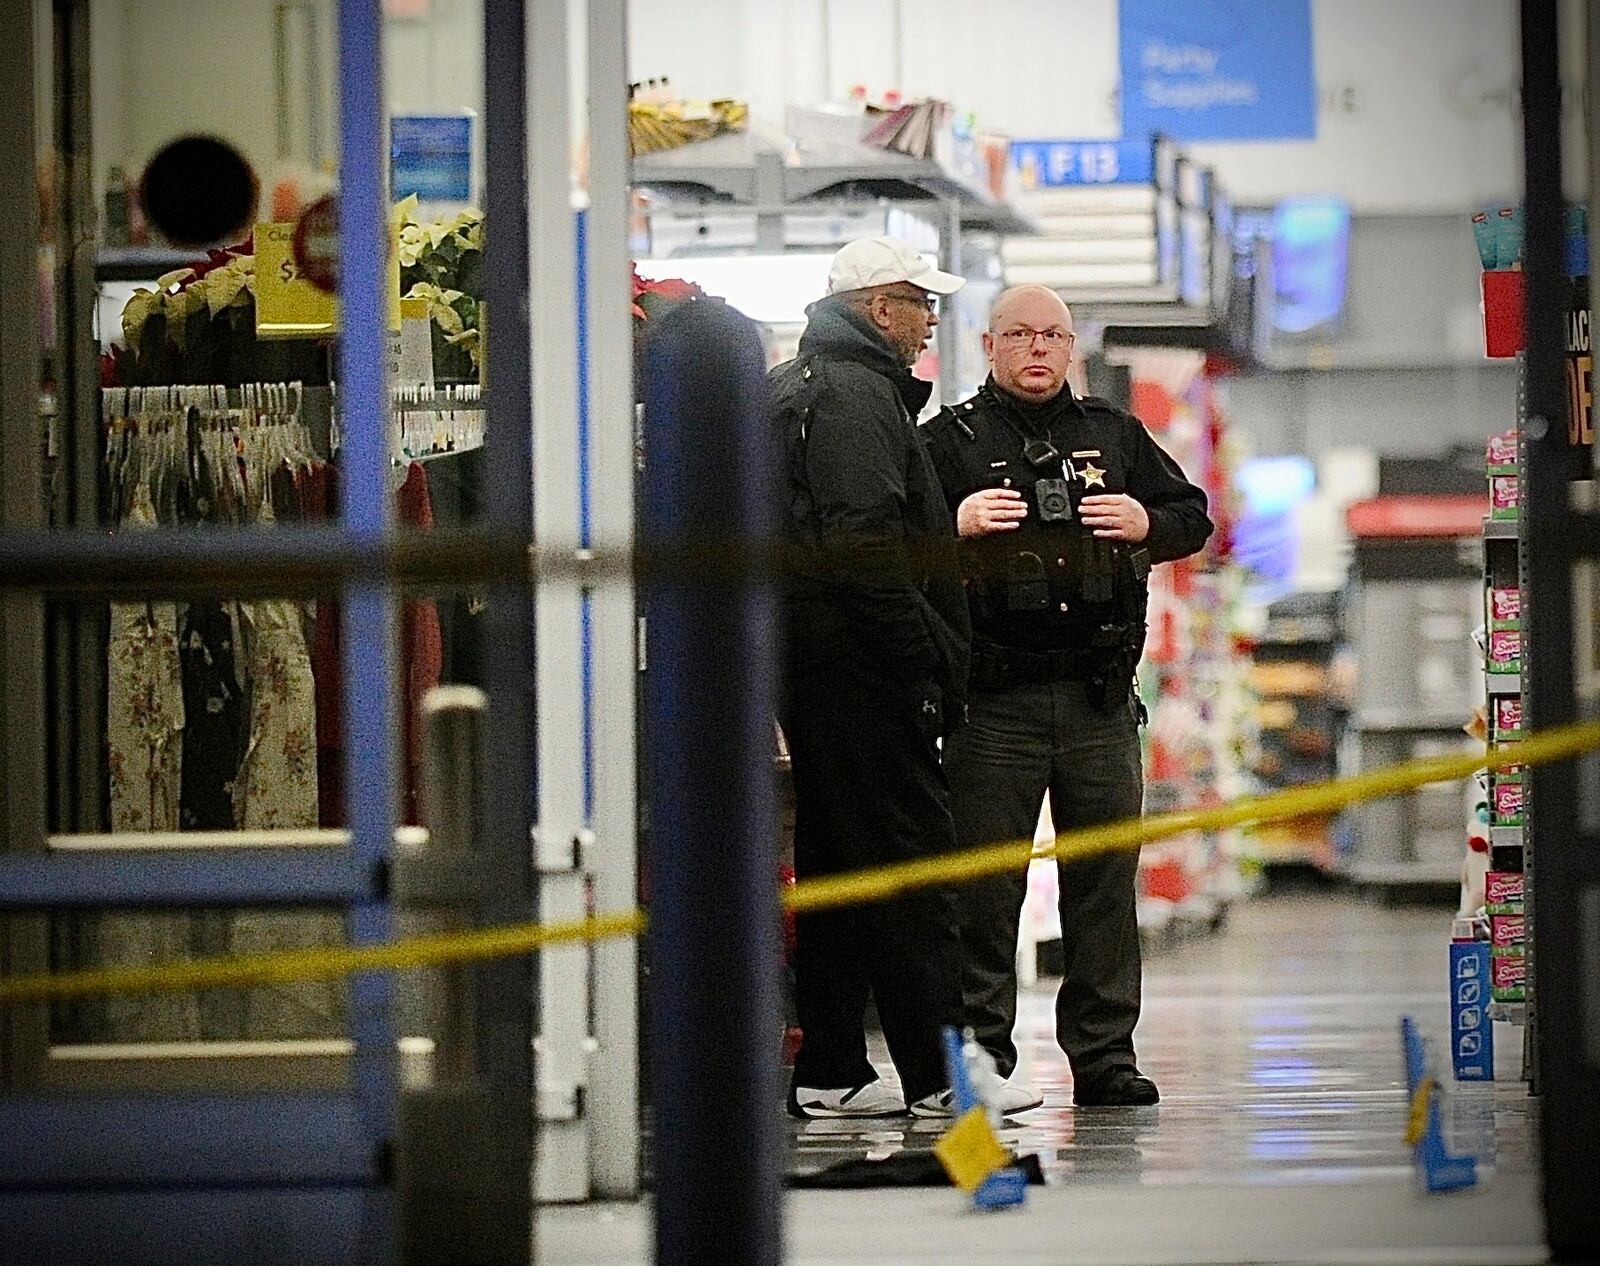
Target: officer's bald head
x: 1029, y: 342
x: 1032, y: 300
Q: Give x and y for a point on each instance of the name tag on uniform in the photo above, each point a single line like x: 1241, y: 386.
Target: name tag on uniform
x: 1087, y: 452
x: 998, y: 465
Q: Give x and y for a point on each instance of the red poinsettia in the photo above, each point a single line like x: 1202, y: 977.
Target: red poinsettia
x: 652, y: 299
x: 218, y: 258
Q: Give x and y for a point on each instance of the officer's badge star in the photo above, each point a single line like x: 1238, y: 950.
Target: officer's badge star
x: 1093, y: 477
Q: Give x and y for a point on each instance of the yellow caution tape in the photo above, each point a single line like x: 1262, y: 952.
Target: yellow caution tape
x: 1417, y: 1118
x: 831, y: 892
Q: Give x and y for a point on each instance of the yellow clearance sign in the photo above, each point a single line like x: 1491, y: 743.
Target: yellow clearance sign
x: 289, y: 306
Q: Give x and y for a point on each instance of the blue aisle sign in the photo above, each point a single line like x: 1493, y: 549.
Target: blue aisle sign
x: 1053, y: 164
x: 1217, y: 70
x: 430, y: 155
x: 1471, y: 1032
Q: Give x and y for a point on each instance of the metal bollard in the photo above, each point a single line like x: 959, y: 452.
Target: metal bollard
x: 462, y: 1178
x: 714, y: 1005
x: 452, y: 729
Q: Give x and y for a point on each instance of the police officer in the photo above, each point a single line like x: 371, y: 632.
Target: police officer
x: 1062, y: 504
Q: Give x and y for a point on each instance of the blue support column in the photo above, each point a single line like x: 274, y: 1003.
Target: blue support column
x: 369, y: 627
x: 714, y: 1013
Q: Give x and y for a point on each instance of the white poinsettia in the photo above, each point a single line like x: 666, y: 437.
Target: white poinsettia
x: 471, y: 340
x: 440, y: 309
x: 224, y: 286
x: 143, y: 303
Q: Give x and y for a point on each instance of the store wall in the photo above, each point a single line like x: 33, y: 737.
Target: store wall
x: 158, y: 73
x: 1396, y: 412
x: 1412, y: 299
x: 1405, y: 373
x: 1417, y: 96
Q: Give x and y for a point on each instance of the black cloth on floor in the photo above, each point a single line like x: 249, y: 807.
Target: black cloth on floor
x: 903, y: 1169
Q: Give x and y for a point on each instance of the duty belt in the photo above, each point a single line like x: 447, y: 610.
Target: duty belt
x: 996, y: 667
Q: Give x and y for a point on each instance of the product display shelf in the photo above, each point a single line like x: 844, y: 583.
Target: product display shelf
x: 1301, y: 714
x: 758, y: 167
x: 1507, y: 907
x: 1417, y: 593
x: 1195, y: 682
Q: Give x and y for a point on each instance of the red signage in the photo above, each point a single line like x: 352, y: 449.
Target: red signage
x: 1411, y: 516
x: 316, y: 244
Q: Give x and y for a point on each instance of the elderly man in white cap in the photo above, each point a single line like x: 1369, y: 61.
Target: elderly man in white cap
x: 875, y: 674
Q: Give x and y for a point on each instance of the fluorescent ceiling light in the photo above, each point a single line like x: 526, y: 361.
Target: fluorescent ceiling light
x: 772, y: 289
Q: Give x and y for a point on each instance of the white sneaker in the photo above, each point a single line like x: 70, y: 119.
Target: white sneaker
x: 934, y: 1105
x: 873, y: 1099
x: 1013, y: 1098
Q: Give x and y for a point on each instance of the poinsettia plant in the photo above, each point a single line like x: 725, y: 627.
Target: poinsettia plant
x: 653, y: 299
x: 442, y: 263
x: 196, y: 325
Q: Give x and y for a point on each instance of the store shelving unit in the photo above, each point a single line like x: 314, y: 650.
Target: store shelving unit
x: 761, y: 192
x: 767, y: 171
x: 1504, y: 590
x: 1413, y: 604
x: 1301, y: 717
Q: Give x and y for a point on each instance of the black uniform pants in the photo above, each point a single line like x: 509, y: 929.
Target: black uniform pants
x: 1020, y: 743
x: 869, y: 789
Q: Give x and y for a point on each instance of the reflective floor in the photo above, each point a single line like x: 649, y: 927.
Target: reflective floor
x: 1279, y: 1138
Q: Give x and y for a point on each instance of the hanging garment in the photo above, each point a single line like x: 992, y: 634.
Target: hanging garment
x: 277, y: 789
x: 456, y: 492
x: 277, y: 782
x: 420, y: 648
x: 213, y: 709
x: 213, y: 701
x: 322, y: 502
x: 421, y: 657
x: 144, y: 725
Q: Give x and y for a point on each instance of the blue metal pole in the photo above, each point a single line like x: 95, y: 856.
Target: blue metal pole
x: 714, y: 1011
x: 369, y: 626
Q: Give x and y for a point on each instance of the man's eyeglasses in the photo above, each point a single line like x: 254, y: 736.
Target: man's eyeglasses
x: 930, y: 302
x: 1022, y: 336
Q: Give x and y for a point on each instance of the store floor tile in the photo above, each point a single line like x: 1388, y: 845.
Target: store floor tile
x: 1279, y: 1136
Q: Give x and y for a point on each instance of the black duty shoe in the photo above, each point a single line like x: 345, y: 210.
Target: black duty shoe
x: 1121, y: 1087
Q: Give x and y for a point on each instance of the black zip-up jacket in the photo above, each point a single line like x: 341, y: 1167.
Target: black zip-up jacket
x: 879, y: 582
x: 979, y: 444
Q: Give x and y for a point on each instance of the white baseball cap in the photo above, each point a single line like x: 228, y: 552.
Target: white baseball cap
x: 882, y: 261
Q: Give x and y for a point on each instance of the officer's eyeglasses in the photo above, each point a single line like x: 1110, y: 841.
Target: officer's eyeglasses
x: 930, y: 302
x: 1022, y: 336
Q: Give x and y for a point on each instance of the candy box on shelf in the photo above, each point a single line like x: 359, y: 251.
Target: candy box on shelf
x: 1508, y: 930
x: 1501, y: 454
x: 1507, y: 716
x: 1505, y: 494
x: 1508, y: 974
x: 1509, y: 748
x: 1502, y: 892
x: 1507, y: 802
x: 1505, y: 607
x: 1505, y: 651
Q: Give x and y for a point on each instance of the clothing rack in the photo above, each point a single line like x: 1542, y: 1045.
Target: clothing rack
x: 317, y: 408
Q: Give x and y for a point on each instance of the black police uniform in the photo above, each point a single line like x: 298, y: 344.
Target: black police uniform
x: 1058, y: 626
x: 875, y: 665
